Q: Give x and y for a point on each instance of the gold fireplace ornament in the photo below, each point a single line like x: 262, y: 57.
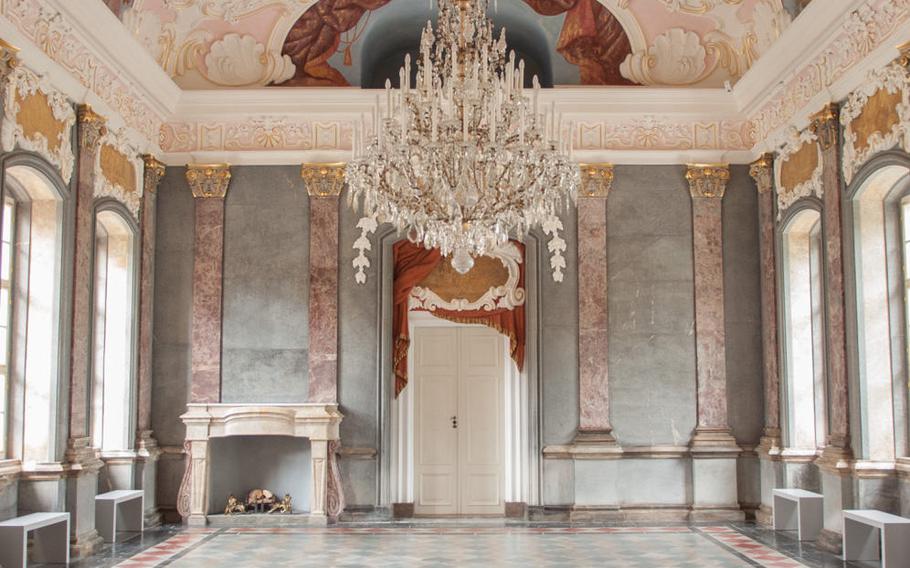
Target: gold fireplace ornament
x: 258, y: 501
x: 234, y: 506
x: 283, y: 506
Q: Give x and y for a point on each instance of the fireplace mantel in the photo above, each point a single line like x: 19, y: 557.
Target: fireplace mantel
x: 316, y: 421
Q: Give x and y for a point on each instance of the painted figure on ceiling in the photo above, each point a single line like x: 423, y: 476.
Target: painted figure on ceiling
x: 591, y: 38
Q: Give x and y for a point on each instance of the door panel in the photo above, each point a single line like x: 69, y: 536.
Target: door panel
x: 459, y: 373
x: 436, y: 462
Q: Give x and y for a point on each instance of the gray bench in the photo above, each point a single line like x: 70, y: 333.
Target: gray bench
x: 874, y: 535
x: 798, y: 510
x: 51, y: 532
x: 118, y: 511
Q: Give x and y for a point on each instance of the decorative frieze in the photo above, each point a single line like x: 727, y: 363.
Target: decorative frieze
x: 876, y: 117
x: 9, y: 59
x: 708, y: 181
x: 323, y: 180
x: 118, y: 171
x: 208, y: 180
x: 798, y: 169
x: 36, y: 117
x: 596, y: 180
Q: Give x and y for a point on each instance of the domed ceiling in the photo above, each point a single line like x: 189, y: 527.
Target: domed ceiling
x: 204, y: 44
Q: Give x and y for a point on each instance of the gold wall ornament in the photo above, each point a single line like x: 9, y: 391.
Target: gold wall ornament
x: 903, y: 59
x: 234, y: 505
x: 323, y: 180
x: 798, y: 169
x: 38, y: 118
x: 153, y: 171
x: 762, y: 171
x: 208, y: 180
x: 824, y: 125
x: 596, y: 180
x: 708, y: 180
x: 9, y: 59
x: 92, y: 126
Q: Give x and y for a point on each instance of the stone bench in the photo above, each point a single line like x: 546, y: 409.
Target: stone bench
x: 874, y: 535
x: 51, y: 533
x: 798, y: 510
x: 119, y: 510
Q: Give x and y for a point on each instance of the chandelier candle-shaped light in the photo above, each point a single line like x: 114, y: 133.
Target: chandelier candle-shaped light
x: 464, y: 158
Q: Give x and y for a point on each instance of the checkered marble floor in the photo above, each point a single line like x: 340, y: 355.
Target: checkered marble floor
x: 409, y: 546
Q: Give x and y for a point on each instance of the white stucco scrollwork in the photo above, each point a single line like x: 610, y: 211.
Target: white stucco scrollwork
x: 22, y: 83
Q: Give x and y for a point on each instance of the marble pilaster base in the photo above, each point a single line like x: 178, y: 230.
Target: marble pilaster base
x: 837, y: 488
x: 715, y: 495
x: 772, y: 477
x: 830, y: 541
x: 146, y: 477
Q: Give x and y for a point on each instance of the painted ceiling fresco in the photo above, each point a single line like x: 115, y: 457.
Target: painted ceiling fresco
x: 255, y: 43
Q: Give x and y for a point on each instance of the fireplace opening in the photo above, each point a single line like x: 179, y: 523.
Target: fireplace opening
x: 241, y: 464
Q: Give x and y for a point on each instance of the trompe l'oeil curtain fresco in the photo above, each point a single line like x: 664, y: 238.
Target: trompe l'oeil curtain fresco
x: 413, y: 264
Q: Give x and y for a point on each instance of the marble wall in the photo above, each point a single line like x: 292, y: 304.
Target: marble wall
x: 651, y: 357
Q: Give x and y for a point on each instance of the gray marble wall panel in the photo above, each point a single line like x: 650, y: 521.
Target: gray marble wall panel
x: 173, y: 319
x: 266, y: 259
x: 742, y: 308
x: 9, y: 496
x: 652, y: 346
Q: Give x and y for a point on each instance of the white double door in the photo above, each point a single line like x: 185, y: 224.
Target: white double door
x: 459, y: 426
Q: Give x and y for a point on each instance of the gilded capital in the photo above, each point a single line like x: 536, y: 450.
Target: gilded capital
x: 208, y: 180
x: 323, y: 180
x: 9, y: 58
x: 596, y: 180
x: 762, y: 171
x: 153, y: 172
x: 708, y: 180
x: 92, y: 126
x: 824, y: 125
x: 904, y: 58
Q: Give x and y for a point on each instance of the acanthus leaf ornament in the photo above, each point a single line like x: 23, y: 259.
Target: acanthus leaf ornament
x: 556, y: 246
x: 21, y: 85
x: 708, y: 181
x: 208, y: 180
x: 463, y: 159
x: 361, y: 262
x: 323, y: 180
x: 153, y: 172
x: 824, y: 126
x: 762, y: 171
x: 596, y: 180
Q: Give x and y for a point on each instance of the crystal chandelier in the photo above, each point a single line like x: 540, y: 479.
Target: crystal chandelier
x: 463, y: 158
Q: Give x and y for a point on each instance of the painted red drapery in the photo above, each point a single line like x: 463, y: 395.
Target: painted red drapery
x: 413, y: 264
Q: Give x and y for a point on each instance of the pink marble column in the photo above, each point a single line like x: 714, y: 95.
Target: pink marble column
x: 707, y: 185
x: 593, y: 381
x: 323, y: 183
x: 154, y: 171
x: 825, y: 127
x: 91, y: 127
x: 209, y: 184
x: 762, y: 171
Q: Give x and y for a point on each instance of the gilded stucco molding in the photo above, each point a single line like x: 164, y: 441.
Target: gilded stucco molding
x: 256, y: 134
x: 92, y: 127
x: 323, y: 180
x: 889, y: 81
x: 9, y: 59
x: 707, y: 181
x: 507, y: 295
x: 49, y: 112
x: 557, y: 246
x: 762, y: 171
x: 153, y: 171
x: 863, y: 31
x: 786, y: 196
x: 596, y: 180
x: 208, y: 180
x: 824, y: 126
x: 46, y: 27
x: 118, y: 171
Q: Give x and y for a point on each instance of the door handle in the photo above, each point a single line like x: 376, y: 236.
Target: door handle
x: 454, y: 422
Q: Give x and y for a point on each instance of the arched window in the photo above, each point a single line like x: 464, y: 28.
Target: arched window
x: 31, y: 298
x: 879, y: 218
x: 113, y: 368
x: 803, y: 332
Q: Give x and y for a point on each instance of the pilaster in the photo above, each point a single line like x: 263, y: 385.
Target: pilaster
x: 714, y: 450
x: 769, y: 449
x: 209, y: 184
x: 324, y: 183
x: 837, y: 458
x: 593, y: 381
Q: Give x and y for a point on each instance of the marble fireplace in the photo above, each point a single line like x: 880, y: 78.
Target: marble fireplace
x: 317, y: 422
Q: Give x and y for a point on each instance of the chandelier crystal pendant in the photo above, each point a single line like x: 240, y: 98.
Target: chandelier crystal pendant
x: 463, y: 158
